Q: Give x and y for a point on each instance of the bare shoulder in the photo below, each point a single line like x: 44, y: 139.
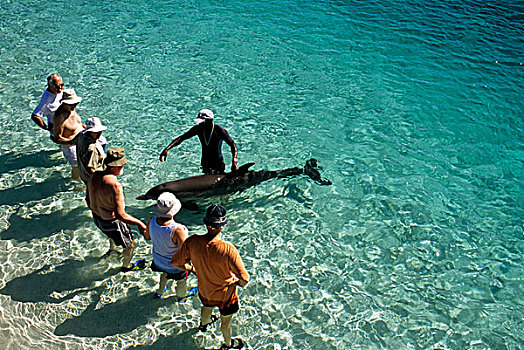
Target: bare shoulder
x: 60, y: 115
x: 110, y: 180
x: 181, y: 228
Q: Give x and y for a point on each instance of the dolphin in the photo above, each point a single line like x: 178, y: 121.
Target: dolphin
x: 231, y: 182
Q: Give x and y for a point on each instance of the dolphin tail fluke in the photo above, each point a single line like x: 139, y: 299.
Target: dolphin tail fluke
x: 312, y: 169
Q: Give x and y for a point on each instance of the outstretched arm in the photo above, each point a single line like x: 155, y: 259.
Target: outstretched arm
x: 147, y: 236
x: 120, y: 211
x: 176, y: 142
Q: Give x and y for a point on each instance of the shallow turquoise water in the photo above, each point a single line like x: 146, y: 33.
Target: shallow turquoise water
x: 414, y: 111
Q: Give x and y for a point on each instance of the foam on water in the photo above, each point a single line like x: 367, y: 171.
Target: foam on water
x: 413, y: 110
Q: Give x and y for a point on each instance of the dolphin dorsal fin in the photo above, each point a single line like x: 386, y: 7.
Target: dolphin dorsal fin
x: 241, y: 170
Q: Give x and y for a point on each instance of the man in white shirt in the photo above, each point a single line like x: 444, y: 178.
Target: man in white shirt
x: 49, y: 103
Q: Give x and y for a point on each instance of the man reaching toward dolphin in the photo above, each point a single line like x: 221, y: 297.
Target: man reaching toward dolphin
x: 211, y: 136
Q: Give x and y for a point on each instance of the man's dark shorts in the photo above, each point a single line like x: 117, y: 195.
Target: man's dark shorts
x: 170, y: 276
x: 115, y: 229
x: 227, y: 310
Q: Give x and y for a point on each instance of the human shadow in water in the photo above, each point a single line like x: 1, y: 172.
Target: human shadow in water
x: 17, y: 161
x: 182, y: 341
x: 44, y: 225
x: 33, y: 192
x: 119, y: 317
x: 72, y: 277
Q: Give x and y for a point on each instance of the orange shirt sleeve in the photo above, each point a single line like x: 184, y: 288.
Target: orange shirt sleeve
x: 237, y: 266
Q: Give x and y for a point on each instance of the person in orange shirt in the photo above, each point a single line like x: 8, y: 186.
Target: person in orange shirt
x: 219, y: 269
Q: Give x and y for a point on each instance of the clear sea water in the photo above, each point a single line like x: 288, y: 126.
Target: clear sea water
x: 413, y: 109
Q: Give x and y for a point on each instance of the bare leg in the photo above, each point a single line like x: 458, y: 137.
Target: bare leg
x: 128, y: 255
x: 205, y: 314
x: 75, y: 174
x: 111, y: 245
x: 163, y: 282
x: 226, y: 329
x: 181, y: 287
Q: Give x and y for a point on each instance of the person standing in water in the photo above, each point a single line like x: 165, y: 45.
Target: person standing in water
x: 90, y: 152
x: 167, y: 236
x: 219, y: 269
x: 211, y: 136
x: 105, y: 198
x: 66, y: 126
x: 49, y: 103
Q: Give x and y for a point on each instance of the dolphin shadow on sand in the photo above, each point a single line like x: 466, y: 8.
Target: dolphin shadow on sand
x: 235, y: 181
x: 71, y: 278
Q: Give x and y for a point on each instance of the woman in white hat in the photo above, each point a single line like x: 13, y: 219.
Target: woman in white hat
x: 167, y: 236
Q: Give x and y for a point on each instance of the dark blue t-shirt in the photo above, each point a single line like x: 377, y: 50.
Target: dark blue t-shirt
x: 212, y: 158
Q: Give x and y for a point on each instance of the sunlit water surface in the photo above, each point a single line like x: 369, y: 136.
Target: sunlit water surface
x: 414, y: 111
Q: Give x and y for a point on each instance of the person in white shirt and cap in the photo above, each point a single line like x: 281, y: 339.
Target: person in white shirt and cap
x: 89, y: 150
x: 211, y: 136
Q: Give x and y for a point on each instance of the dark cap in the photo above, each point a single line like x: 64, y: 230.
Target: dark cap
x: 215, y: 216
x: 116, y: 156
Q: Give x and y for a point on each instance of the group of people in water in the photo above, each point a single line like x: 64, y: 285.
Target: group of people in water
x: 216, y: 263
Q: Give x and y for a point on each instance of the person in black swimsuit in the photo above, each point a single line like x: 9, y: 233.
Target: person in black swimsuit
x: 211, y: 136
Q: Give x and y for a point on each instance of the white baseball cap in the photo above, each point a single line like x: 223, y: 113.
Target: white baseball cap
x: 204, y: 114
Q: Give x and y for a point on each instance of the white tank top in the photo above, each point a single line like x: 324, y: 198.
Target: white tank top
x: 163, y: 246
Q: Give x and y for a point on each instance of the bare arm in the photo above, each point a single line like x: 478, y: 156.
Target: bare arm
x: 190, y: 133
x: 58, y: 127
x: 147, y: 236
x: 87, y: 197
x: 63, y: 140
x: 39, y: 121
x: 179, y: 235
x: 234, y: 150
x: 120, y: 212
x: 234, y: 154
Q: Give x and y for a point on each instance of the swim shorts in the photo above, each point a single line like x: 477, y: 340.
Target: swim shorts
x: 115, y: 229
x: 170, y: 276
x: 69, y: 152
x: 226, y: 310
